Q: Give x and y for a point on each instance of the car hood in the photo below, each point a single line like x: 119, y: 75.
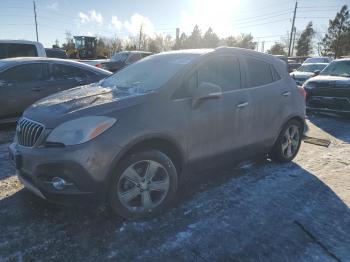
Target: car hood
x: 330, y: 81
x: 90, y: 99
x: 302, y: 74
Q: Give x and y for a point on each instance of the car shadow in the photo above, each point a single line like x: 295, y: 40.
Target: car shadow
x: 257, y: 210
x: 339, y: 126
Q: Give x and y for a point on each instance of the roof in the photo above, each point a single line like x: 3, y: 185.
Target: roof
x: 343, y: 59
x: 316, y: 64
x: 20, y: 60
x: 19, y: 41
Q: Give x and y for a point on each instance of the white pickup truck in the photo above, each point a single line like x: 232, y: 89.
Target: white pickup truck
x: 20, y: 48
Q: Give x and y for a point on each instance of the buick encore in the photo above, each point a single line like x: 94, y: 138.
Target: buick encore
x: 128, y: 139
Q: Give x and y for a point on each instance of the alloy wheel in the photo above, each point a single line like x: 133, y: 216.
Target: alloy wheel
x: 143, y: 185
x: 290, y: 142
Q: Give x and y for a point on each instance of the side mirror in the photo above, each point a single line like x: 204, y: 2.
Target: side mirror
x: 205, y: 91
x: 317, y: 72
x: 294, y: 69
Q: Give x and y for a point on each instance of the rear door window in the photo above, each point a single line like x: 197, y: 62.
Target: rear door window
x: 24, y: 73
x: 64, y: 72
x: 17, y: 50
x: 222, y: 71
x: 258, y: 72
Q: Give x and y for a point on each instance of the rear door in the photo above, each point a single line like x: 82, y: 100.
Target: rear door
x: 21, y: 86
x: 62, y: 77
x: 267, y: 101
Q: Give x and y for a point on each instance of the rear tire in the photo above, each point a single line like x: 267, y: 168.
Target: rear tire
x: 144, y: 185
x: 288, y: 142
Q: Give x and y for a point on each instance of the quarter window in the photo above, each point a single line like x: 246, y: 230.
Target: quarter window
x: 222, y: 71
x: 258, y: 72
x: 63, y: 72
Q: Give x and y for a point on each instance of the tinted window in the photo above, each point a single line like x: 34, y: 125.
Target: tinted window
x: 17, y: 50
x: 24, y: 73
x: 222, y: 71
x: 56, y: 53
x: 258, y: 72
x: 275, y: 75
x: 62, y: 72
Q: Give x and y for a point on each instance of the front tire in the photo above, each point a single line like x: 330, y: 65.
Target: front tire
x: 144, y: 185
x: 288, y: 142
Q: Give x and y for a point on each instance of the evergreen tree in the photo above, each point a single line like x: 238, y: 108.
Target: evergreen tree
x: 304, y: 44
x: 195, y: 39
x: 336, y: 41
x: 277, y: 49
x: 210, y: 39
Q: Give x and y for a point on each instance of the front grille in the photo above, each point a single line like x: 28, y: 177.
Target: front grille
x: 28, y: 132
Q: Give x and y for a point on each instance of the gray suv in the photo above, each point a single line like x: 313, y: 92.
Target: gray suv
x: 128, y: 139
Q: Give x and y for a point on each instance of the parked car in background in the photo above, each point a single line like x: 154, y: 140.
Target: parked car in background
x: 94, y: 62
x: 330, y: 90
x: 122, y: 59
x: 26, y: 80
x: 21, y: 48
x: 56, y: 53
x: 306, y: 71
x: 129, y: 138
x: 292, y: 66
x: 317, y: 60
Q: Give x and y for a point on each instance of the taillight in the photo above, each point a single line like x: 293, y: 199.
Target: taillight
x: 98, y: 65
x: 302, y: 92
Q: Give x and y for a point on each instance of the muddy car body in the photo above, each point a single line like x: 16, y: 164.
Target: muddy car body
x: 128, y: 139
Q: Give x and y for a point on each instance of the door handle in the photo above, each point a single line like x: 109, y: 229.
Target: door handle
x: 287, y: 93
x: 241, y: 105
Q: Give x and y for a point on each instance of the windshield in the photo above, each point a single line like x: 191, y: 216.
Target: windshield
x: 311, y: 68
x: 316, y: 60
x: 149, y: 73
x: 337, y: 68
x: 120, y: 57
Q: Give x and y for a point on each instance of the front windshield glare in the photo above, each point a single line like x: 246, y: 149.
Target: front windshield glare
x: 311, y: 68
x: 337, y: 68
x: 120, y: 57
x: 149, y: 73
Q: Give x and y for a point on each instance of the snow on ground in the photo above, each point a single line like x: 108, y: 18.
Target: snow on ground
x: 256, y: 211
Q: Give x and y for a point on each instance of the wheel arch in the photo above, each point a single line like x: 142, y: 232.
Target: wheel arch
x: 163, y: 143
x: 298, y: 118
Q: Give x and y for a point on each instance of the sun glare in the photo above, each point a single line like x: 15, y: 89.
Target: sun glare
x: 218, y: 14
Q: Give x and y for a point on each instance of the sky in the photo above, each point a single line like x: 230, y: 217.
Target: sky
x: 267, y: 20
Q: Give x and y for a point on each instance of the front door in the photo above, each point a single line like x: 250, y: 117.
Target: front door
x: 216, y: 127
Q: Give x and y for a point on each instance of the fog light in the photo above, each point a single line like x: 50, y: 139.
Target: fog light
x: 58, y: 183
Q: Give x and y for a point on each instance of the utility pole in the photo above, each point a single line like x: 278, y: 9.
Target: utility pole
x: 295, y: 31
x: 140, y: 37
x: 262, y: 46
x: 291, y: 31
x: 36, y: 23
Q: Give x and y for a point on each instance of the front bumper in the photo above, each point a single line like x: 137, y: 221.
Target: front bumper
x: 86, y: 167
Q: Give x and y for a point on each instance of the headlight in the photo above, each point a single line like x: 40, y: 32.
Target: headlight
x: 80, y: 130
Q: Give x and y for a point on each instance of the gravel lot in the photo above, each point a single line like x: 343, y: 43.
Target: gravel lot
x: 256, y: 211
